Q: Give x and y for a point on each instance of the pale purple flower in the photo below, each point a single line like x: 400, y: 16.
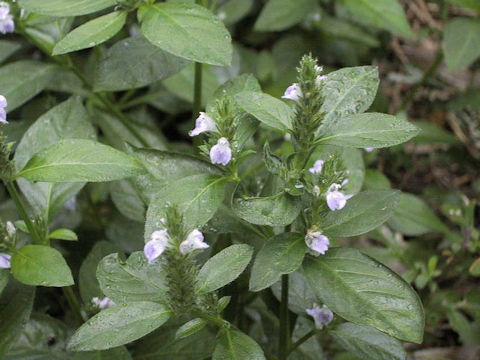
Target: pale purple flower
x: 336, y: 200
x: 5, y: 261
x: 321, y: 315
x: 156, y: 246
x: 105, y: 303
x: 194, y: 241
x: 317, y: 167
x: 221, y: 152
x: 6, y: 20
x: 293, y: 92
x: 317, y: 242
x: 3, y: 113
x: 71, y: 204
x: 368, y: 149
x: 320, y: 79
x: 204, y: 123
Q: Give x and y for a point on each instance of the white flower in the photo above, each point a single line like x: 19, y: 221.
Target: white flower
x: 321, y: 315
x: 336, y: 200
x: 317, y: 242
x: 194, y: 241
x: 105, y: 303
x: 317, y: 167
x: 155, y: 247
x: 203, y: 123
x: 368, y: 149
x: 221, y: 152
x: 5, y: 261
x: 293, y: 92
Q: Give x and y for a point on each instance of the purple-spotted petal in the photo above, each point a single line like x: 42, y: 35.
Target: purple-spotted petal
x: 293, y: 92
x: 193, y: 242
x: 203, y: 123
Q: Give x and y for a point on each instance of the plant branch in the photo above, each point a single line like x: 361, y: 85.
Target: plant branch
x: 300, y: 341
x: 12, y: 190
x: 74, y: 304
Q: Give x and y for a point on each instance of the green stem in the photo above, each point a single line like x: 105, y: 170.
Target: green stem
x: 12, y: 190
x: 74, y: 304
x: 197, y: 91
x: 284, y: 341
x: 300, y: 341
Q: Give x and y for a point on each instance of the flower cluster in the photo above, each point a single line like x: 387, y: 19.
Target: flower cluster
x: 321, y: 315
x: 6, y: 19
x: 221, y: 152
x: 3, y: 113
x: 160, y: 241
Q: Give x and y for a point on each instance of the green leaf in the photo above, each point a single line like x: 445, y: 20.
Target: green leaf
x: 234, y: 10
x: 63, y: 234
x: 66, y: 7
x: 127, y: 200
x: 384, y: 14
x: 182, y: 84
x: 224, y: 267
x: 87, y: 280
x: 197, y: 197
x: 277, y: 210
x: 279, y: 15
x: 349, y: 91
x: 15, y: 307
x: 375, y: 180
x: 368, y: 343
x: 235, y: 345
x: 80, y: 160
x: 367, y: 130
x: 414, y: 217
x: 365, y: 292
x: 41, y: 265
x: 461, y: 43
x: 433, y: 134
x: 133, y: 280
x: 134, y: 62
x: 66, y: 120
x: 282, y: 254
x: 190, y: 328
x: 8, y: 48
x: 22, y: 80
x: 300, y: 295
x: 267, y: 109
x: 126, y: 323
x: 187, y: 30
x: 165, y: 166
x: 91, y: 33
x: 363, y: 212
